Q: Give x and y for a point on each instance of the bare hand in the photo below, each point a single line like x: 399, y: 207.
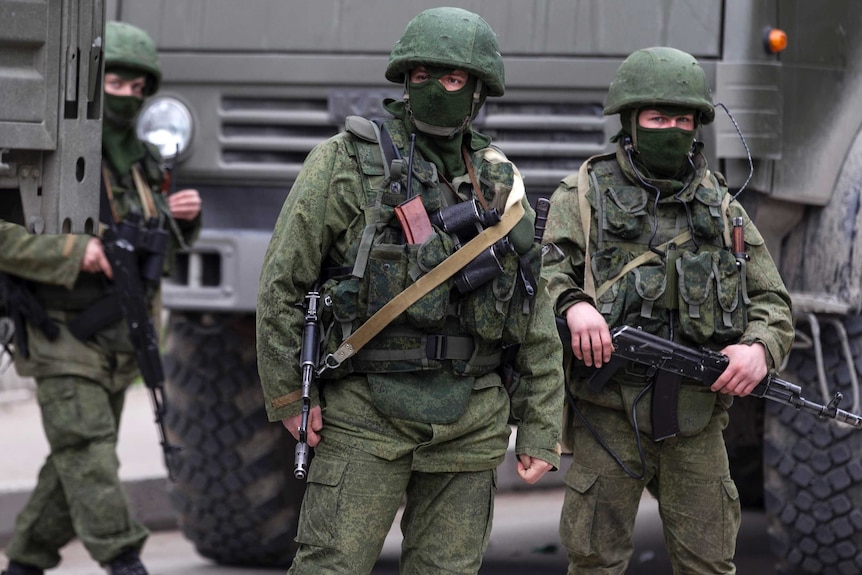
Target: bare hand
x: 185, y: 204
x: 746, y: 369
x: 94, y: 260
x: 531, y: 469
x: 591, y: 337
x: 315, y: 424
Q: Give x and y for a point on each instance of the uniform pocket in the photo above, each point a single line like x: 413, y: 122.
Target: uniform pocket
x: 429, y: 312
x: 74, y: 412
x: 579, y: 509
x: 484, y: 309
x: 624, y: 211
x: 650, y: 282
x: 321, y: 502
x: 386, y: 275
x: 696, y: 279
x: 730, y: 316
x: 606, y: 264
x: 521, y: 303
x: 709, y: 294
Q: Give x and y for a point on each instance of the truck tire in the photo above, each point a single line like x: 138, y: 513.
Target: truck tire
x: 813, y: 472
x: 234, y: 492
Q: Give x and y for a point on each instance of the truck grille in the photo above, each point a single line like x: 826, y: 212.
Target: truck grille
x: 547, y: 141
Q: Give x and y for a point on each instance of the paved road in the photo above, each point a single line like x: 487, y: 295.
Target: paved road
x: 524, y: 541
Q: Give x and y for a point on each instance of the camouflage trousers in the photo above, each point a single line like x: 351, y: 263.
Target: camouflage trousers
x: 689, y: 476
x: 78, y: 493
x: 353, y: 497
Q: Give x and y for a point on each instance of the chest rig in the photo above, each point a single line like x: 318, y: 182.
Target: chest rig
x: 667, y: 265
x: 670, y: 267
x: 460, y: 323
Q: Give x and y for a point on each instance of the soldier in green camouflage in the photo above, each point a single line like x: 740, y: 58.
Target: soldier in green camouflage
x: 642, y: 237
x: 421, y: 412
x: 81, y: 382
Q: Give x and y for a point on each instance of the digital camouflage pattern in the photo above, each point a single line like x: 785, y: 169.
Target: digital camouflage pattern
x: 660, y: 76
x: 705, y: 292
x: 689, y: 475
x: 449, y: 38
x: 130, y: 48
x: 309, y: 222
x: 81, y: 385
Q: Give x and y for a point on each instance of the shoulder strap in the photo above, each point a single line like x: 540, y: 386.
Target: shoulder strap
x: 371, y: 132
x: 586, y: 218
x: 678, y: 240
x: 145, y: 193
x: 512, y: 214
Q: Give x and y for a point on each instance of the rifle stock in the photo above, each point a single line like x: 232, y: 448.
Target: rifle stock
x: 702, y: 365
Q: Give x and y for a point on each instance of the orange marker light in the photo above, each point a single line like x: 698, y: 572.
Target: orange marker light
x: 774, y: 40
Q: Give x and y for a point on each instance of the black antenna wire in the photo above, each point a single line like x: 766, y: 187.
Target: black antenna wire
x: 744, y: 144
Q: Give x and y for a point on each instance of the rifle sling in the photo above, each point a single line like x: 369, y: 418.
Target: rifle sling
x: 396, y: 306
x: 586, y: 218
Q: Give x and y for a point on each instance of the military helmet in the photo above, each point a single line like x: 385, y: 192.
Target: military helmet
x: 130, y: 48
x: 449, y: 38
x: 660, y: 77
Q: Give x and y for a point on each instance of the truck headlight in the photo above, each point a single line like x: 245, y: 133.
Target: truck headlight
x: 166, y: 123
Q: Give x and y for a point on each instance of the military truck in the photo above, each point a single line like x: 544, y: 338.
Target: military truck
x: 51, y: 113
x: 250, y: 87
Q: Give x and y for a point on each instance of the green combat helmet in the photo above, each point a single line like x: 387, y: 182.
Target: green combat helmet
x: 128, y: 47
x: 660, y: 77
x: 449, y: 38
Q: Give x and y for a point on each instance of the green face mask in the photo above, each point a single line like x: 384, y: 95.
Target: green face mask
x: 121, y: 111
x: 663, y: 151
x: 438, y: 112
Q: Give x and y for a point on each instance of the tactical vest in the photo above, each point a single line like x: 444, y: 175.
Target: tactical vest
x: 467, y: 332
x: 697, y: 285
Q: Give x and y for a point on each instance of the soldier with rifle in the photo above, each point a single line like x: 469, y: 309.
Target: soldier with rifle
x: 405, y: 254
x: 649, y: 237
x: 88, y: 307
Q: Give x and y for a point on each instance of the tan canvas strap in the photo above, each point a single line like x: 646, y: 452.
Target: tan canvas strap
x: 586, y: 218
x: 145, y: 193
x: 512, y: 214
x: 584, y: 208
x: 642, y: 259
x: 109, y: 191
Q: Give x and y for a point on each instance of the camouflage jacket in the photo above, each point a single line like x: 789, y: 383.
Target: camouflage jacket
x: 320, y: 225
x: 709, y: 306
x: 52, y: 263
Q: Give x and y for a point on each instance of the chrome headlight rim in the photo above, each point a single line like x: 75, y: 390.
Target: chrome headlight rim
x: 167, y: 122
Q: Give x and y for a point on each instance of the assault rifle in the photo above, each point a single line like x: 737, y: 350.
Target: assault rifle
x: 308, y: 357
x: 703, y: 365
x: 136, y: 256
